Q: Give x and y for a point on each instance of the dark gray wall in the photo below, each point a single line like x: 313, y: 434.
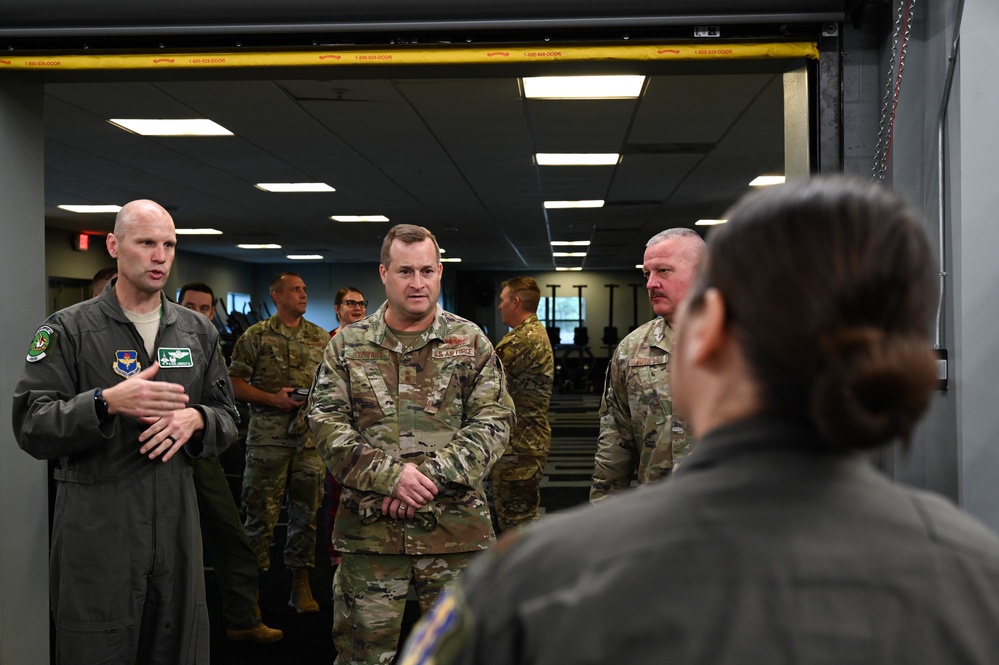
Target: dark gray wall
x: 24, y: 621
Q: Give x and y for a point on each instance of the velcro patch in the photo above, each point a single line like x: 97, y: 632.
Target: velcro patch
x: 174, y: 357
x: 454, y: 353
x: 644, y: 362
x: 40, y: 344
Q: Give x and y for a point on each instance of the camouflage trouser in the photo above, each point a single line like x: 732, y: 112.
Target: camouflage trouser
x: 369, y: 599
x: 270, y: 470
x: 516, y: 490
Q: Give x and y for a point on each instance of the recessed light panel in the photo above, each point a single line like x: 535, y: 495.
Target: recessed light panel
x: 89, y: 209
x: 767, y: 180
x: 198, y: 232
x: 359, y: 218
x: 592, y: 203
x: 284, y: 187
x: 570, y: 243
x: 171, y: 127
x: 262, y: 246
x: 709, y: 222
x: 304, y: 257
x: 577, y: 158
x: 583, y: 87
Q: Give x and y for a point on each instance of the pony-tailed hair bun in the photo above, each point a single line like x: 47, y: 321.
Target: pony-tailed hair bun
x: 871, y: 387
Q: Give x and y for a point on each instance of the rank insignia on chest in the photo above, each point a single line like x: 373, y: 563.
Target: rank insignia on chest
x: 175, y: 358
x: 126, y: 363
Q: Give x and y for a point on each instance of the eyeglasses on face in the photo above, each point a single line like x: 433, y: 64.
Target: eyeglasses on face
x: 355, y: 303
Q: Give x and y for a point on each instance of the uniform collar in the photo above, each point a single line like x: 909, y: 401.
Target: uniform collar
x: 108, y: 302
x: 754, y: 437
x: 662, y: 335
x: 378, y: 332
x: 533, y: 318
x: 275, y: 324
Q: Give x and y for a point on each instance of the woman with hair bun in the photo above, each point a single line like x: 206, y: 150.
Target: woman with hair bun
x: 802, y: 344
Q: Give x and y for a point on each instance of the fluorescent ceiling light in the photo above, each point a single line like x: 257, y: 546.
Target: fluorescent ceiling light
x: 583, y: 87
x: 198, y: 232
x: 284, y: 187
x: 593, y: 203
x: 563, y: 254
x: 568, y: 269
x: 570, y: 243
x: 90, y: 208
x: 765, y: 180
x: 640, y: 266
x: 577, y: 159
x: 303, y: 257
x: 453, y: 259
x: 709, y: 222
x: 172, y: 127
x: 262, y: 246
x: 359, y: 218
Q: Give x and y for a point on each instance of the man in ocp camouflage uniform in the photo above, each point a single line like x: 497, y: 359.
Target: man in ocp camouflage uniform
x: 526, y: 354
x: 410, y: 411
x: 271, y: 360
x: 637, y: 430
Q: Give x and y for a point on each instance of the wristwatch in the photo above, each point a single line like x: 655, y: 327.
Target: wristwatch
x: 101, y: 405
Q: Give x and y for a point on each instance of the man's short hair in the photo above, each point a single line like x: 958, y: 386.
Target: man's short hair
x: 278, y: 277
x: 409, y: 234
x: 681, y: 232
x: 200, y: 287
x: 527, y: 290
x: 104, y: 274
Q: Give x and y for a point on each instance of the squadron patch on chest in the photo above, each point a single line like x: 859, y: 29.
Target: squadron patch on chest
x: 126, y: 363
x: 39, y: 344
x: 175, y: 357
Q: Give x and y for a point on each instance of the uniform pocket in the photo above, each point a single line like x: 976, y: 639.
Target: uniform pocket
x: 84, y: 643
x: 446, y: 400
x: 370, y: 399
x: 653, y: 389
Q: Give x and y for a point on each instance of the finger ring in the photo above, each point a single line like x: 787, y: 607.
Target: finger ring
x: 172, y: 440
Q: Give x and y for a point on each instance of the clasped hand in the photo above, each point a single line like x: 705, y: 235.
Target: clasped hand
x: 413, y: 491
x: 159, y: 404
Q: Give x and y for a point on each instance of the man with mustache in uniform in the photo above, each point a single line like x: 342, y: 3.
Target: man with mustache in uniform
x: 637, y: 430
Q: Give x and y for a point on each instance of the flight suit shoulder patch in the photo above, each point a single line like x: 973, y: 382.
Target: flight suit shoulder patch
x: 43, y: 340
